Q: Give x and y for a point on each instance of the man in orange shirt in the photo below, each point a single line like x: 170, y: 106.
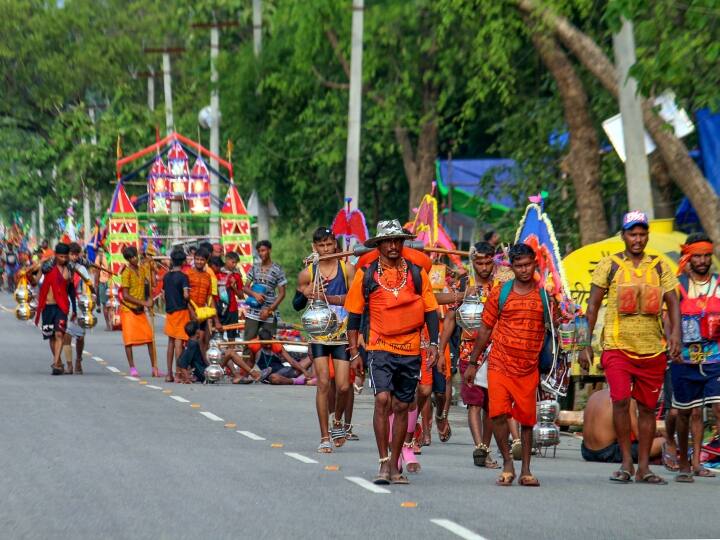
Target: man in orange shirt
x: 397, y: 299
x: 518, y: 332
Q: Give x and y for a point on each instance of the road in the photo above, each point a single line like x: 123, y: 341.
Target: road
x: 104, y: 456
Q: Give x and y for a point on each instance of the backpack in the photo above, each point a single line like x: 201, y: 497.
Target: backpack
x: 549, y: 349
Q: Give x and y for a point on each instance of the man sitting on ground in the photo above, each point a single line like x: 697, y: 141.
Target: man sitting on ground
x: 274, y: 356
x: 599, y: 438
x: 192, y: 360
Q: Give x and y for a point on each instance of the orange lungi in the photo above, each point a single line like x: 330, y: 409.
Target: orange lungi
x: 175, y: 324
x: 515, y: 396
x: 136, y: 329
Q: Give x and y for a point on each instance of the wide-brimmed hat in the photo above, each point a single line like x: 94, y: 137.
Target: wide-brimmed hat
x: 387, y: 230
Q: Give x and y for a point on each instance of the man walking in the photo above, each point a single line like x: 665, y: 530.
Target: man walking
x: 696, y: 374
x: 516, y: 315
x: 634, y: 353
x: 398, y: 301
x: 263, y: 280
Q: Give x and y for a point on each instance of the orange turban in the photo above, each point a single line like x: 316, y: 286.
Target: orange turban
x: 688, y: 250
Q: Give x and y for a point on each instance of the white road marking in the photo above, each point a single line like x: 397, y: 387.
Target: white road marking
x: 251, y: 435
x: 299, y: 457
x: 129, y: 378
x: 458, y: 530
x: 87, y: 353
x: 97, y: 359
x: 179, y: 399
x: 113, y: 369
x: 211, y: 416
x: 366, y: 484
x: 153, y: 387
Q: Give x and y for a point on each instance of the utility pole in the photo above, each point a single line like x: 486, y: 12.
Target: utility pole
x: 352, y: 160
x: 175, y: 207
x: 263, y: 212
x: 214, y: 118
x: 636, y: 164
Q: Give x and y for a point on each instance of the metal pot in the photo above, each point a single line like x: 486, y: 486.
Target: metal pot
x: 23, y: 294
x: 85, y: 301
x: 319, y: 320
x: 214, y: 373
x: 548, y: 411
x: 24, y: 312
x: 469, y: 315
x: 214, y: 354
x: 113, y: 303
x: 86, y: 320
x: 546, y: 434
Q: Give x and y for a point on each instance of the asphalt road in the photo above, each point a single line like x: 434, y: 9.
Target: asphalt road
x: 103, y: 456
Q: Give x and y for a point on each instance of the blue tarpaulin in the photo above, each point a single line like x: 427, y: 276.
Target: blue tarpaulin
x: 708, y: 126
x: 465, y: 175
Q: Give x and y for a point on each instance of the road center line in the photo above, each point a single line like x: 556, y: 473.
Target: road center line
x: 300, y: 457
x: 251, y: 435
x: 211, y: 416
x: 113, y: 369
x: 153, y: 387
x: 179, y: 399
x: 129, y: 378
x: 97, y: 359
x: 367, y: 485
x: 458, y: 530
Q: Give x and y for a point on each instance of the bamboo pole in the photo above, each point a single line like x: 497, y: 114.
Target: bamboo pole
x: 262, y: 342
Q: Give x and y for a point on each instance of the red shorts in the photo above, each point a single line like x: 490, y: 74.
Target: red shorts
x: 513, y: 395
x: 629, y: 376
x: 471, y: 394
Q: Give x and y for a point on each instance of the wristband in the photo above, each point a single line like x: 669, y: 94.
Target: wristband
x: 354, y: 357
x: 434, y: 345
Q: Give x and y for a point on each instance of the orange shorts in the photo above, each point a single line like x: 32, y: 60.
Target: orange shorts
x: 514, y: 396
x: 175, y: 324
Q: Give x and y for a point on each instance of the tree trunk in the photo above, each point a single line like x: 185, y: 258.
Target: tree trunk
x: 682, y: 168
x: 419, y: 164
x: 662, y: 183
x: 583, y: 161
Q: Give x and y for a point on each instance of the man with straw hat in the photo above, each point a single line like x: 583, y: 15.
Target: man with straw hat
x: 396, y: 298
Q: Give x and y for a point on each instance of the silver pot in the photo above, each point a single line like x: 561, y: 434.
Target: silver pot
x: 23, y: 294
x: 214, y: 373
x: 85, y: 301
x: 24, y: 312
x: 86, y: 319
x: 546, y: 434
x: 469, y: 315
x: 214, y: 354
x: 548, y: 411
x: 319, y: 320
x: 113, y: 303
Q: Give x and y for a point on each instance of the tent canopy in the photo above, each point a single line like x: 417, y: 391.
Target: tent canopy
x: 460, y: 181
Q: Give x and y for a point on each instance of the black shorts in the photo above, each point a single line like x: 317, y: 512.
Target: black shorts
x: 439, y: 384
x: 230, y: 317
x: 53, y: 320
x: 609, y: 454
x: 394, y: 373
x: 336, y: 352
x: 252, y: 327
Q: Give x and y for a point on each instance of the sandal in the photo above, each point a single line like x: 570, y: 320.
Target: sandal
x: 668, y: 460
x: 349, y: 435
x: 78, y: 367
x: 684, y: 477
x: 399, y: 479
x: 445, y: 434
x: 57, y: 370
x: 505, y: 479
x: 134, y: 372
x: 652, y: 478
x: 621, y: 476
x: 702, y: 472
x: 528, y: 480
x: 383, y: 477
x: 338, y: 435
x: 417, y: 437
x: 169, y: 378
x: 480, y: 455
x: 408, y: 458
x: 490, y: 463
x: 516, y: 449
x: 69, y: 369
x: 325, y: 446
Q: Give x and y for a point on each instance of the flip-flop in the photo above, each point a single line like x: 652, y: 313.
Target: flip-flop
x: 325, y: 446
x: 529, y: 480
x: 652, y: 478
x: 702, y: 472
x: 622, y: 476
x: 669, y: 461
x: 684, y: 477
x: 505, y: 479
x: 134, y: 372
x: 480, y: 455
x: 382, y: 479
x: 58, y: 370
x: 399, y: 479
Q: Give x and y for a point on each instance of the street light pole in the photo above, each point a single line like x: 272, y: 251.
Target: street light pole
x: 636, y: 165
x: 214, y: 129
x: 352, y: 161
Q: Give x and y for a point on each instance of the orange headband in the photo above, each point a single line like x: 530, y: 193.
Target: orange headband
x: 688, y: 250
